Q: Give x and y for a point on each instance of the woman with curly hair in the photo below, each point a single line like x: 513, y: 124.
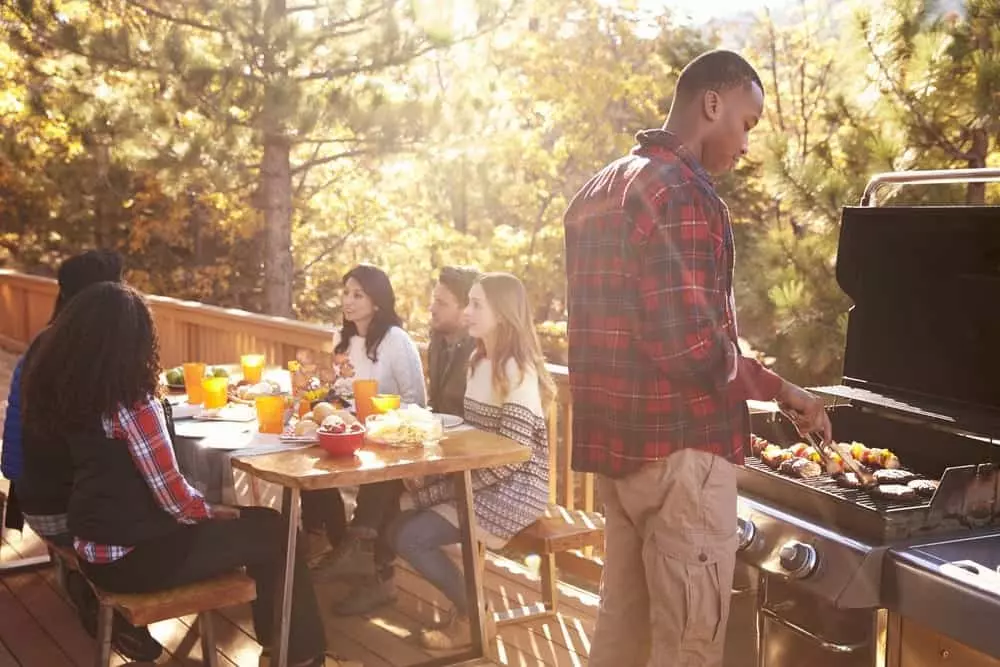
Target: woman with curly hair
x: 91, y: 411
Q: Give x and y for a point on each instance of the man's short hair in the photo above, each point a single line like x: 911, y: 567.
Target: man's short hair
x: 81, y: 271
x: 717, y: 70
x: 459, y: 280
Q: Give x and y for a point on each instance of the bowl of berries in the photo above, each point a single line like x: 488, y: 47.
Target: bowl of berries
x: 339, y: 438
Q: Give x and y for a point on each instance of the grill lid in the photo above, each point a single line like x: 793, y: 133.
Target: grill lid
x: 923, y: 336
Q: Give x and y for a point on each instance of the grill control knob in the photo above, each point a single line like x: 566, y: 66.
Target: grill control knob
x: 746, y: 533
x: 798, y: 558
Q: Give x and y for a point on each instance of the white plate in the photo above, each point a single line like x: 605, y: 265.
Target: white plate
x: 300, y: 439
x: 230, y: 413
x: 449, y: 421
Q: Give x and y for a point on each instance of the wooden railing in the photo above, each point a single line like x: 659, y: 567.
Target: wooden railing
x: 190, y: 330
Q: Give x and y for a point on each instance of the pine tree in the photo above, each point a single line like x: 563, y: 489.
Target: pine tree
x: 261, y: 94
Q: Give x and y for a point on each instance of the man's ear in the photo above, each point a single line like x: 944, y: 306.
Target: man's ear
x: 712, y: 105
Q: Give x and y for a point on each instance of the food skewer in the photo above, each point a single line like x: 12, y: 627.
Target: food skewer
x: 865, y: 479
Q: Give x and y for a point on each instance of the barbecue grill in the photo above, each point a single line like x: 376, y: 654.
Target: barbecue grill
x: 836, y: 567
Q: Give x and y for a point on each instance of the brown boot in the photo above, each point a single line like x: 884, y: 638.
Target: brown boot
x: 455, y: 633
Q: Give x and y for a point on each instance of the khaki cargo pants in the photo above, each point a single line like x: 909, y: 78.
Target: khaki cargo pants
x: 670, y: 542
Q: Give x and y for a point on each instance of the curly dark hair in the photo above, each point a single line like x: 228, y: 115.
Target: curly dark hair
x: 100, y: 353
x: 376, y: 284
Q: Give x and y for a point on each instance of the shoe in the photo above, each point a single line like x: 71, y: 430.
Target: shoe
x: 351, y: 559
x: 455, y: 632
x: 316, y: 547
x: 366, y: 598
x: 135, y: 643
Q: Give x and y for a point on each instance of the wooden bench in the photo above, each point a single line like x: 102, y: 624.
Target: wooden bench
x: 201, y: 598
x: 559, y: 531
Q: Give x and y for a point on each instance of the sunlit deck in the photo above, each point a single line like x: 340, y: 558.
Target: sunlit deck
x: 39, y: 627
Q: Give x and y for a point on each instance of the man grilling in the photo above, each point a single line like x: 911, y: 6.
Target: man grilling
x: 659, y: 387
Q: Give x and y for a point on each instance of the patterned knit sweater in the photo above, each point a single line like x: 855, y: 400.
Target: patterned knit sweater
x: 509, y: 498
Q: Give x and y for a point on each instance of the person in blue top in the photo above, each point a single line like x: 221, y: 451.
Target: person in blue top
x: 75, y: 274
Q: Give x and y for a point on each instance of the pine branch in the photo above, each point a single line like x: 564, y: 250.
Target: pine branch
x: 377, y: 65
x: 316, y: 162
x: 327, y: 251
x: 934, y: 133
x: 152, y: 11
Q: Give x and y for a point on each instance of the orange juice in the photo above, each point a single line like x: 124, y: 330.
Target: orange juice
x: 364, y: 390
x: 382, y: 403
x: 270, y: 413
x: 194, y: 373
x: 214, y: 392
x: 253, y: 367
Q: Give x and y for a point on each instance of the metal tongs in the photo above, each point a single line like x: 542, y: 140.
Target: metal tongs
x: 865, y: 479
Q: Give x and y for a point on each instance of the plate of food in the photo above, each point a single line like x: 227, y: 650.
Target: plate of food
x: 405, y: 427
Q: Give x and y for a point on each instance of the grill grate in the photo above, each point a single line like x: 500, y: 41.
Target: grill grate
x: 828, y: 485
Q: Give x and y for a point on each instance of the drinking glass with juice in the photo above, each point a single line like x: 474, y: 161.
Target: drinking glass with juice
x: 253, y: 367
x: 194, y: 373
x: 270, y: 413
x: 364, y: 390
x: 214, y: 392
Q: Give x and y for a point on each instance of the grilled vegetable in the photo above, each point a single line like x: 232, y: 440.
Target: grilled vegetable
x: 757, y: 444
x: 774, y: 456
x: 800, y: 450
x: 872, y: 457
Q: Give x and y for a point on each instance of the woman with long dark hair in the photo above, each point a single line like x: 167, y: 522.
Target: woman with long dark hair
x: 378, y: 348
x: 91, y: 410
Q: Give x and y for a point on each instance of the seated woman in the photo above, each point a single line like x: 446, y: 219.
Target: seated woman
x: 75, y: 274
x: 377, y: 348
x: 507, y: 391
x: 91, y: 411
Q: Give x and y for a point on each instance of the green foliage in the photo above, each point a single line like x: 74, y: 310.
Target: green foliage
x: 243, y: 151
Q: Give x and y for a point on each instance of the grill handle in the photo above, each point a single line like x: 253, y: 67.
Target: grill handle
x: 987, y: 175
x: 826, y: 645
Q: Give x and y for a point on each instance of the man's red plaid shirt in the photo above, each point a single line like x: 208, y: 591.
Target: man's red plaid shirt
x: 652, y: 325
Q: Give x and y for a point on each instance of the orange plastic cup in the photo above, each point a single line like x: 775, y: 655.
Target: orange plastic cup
x: 194, y: 373
x: 364, y: 391
x: 270, y: 413
x: 253, y: 367
x: 382, y: 403
x: 214, y: 392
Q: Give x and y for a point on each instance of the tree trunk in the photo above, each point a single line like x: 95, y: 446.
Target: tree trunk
x: 276, y: 191
x: 975, y: 193
x: 276, y: 182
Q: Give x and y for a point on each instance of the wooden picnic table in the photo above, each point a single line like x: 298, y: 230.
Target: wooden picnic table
x: 308, y: 469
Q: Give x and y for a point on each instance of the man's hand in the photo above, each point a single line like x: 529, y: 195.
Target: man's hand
x: 806, y: 410
x: 225, y: 512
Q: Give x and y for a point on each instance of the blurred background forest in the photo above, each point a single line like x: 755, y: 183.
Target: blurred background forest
x: 246, y: 153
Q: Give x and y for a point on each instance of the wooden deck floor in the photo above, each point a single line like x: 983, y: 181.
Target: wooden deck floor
x: 39, y: 628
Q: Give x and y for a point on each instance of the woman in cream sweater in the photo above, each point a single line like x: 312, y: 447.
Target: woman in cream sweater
x: 507, y: 391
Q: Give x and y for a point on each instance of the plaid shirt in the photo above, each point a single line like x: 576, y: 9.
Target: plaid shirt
x: 144, y: 427
x: 652, y: 326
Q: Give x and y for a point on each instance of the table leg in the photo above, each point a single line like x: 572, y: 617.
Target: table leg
x: 290, y: 510
x: 470, y: 561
